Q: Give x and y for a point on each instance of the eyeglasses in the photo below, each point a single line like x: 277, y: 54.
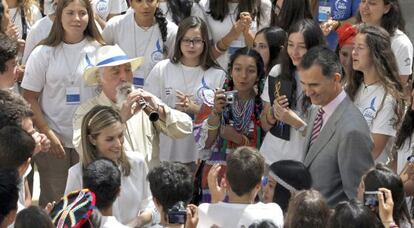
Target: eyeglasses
x: 195, y: 42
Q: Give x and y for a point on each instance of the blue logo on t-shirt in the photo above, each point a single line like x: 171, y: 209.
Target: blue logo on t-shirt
x: 370, y: 112
x: 157, y: 55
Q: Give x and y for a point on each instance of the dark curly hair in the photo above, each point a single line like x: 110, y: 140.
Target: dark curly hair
x: 13, y: 109
x: 8, y: 50
x: 170, y: 183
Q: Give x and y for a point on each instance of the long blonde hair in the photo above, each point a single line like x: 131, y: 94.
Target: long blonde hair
x: 57, y: 33
x: 97, y: 119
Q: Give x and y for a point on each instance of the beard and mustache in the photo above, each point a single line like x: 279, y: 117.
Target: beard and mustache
x: 122, y: 92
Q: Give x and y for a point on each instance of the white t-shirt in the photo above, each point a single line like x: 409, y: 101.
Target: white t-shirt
x: 380, y: 119
x: 135, y: 194
x: 164, y: 79
x: 111, y: 222
x: 218, y: 29
x: 274, y: 148
x: 136, y: 41
x: 235, y: 215
x: 16, y: 19
x: 56, y: 73
x: 39, y: 31
x: 403, y: 51
x: 105, y: 7
x: 404, y: 152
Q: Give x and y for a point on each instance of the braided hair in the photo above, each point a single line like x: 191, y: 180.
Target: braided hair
x: 162, y: 25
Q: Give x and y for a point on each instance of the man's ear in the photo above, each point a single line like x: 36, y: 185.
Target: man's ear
x: 337, y: 77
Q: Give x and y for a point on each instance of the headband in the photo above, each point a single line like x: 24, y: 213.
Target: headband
x: 282, y: 182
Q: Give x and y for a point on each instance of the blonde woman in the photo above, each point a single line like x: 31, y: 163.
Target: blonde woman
x: 102, y: 135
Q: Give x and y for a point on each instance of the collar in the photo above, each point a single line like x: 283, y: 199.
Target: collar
x: 331, y: 106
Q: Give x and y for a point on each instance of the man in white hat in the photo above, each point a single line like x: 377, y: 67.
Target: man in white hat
x: 113, y: 73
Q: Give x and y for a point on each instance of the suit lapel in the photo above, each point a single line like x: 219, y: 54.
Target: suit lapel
x: 326, y: 134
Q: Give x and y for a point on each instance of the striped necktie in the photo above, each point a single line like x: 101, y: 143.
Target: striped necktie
x: 317, y: 125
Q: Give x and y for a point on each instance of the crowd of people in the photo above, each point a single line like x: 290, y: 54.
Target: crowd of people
x: 206, y: 113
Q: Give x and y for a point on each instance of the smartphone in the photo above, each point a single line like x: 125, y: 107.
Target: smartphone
x: 371, y: 199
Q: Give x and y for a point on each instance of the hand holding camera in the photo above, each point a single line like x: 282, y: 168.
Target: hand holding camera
x: 180, y: 213
x: 223, y: 98
x: 386, y: 206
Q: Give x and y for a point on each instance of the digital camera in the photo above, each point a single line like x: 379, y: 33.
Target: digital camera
x: 177, y: 214
x: 371, y: 199
x: 230, y: 96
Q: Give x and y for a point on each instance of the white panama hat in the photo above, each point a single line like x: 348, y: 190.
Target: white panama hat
x: 109, y: 55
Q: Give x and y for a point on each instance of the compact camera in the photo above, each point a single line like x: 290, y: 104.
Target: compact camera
x: 230, y: 96
x: 371, y: 199
x: 177, y: 214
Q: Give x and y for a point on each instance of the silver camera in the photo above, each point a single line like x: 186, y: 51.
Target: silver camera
x: 230, y: 96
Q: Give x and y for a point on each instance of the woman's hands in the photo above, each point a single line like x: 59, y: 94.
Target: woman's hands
x: 385, y: 206
x: 219, y: 101
x: 185, y: 103
x: 283, y: 113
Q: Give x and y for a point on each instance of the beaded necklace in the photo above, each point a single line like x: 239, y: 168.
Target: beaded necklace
x: 242, y: 112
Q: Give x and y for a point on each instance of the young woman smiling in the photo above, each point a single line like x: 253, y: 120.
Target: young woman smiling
x: 102, y: 135
x: 180, y: 82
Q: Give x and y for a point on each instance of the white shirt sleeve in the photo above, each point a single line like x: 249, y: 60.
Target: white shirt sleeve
x: 403, y: 51
x: 74, y: 181
x: 265, y: 14
x: 384, y: 121
x: 109, y: 30
x: 154, y: 79
x: 116, y: 6
x: 35, y: 73
x: 274, y: 72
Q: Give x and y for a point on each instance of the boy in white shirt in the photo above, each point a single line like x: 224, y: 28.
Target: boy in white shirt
x: 242, y: 182
x: 103, y: 178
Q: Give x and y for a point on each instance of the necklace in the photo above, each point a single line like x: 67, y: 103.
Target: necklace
x: 370, y: 84
x: 242, y: 112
